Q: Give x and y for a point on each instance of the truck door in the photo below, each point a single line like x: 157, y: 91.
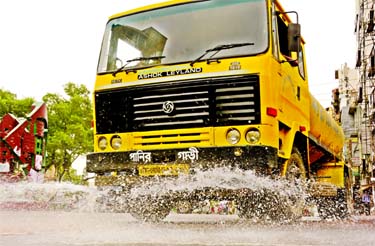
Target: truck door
x: 294, y: 96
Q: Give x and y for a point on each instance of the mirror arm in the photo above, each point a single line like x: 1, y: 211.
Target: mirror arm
x: 288, y: 12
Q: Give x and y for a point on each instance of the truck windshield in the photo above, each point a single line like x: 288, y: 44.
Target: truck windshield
x: 181, y: 33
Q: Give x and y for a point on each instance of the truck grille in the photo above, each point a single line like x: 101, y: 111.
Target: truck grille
x: 175, y: 105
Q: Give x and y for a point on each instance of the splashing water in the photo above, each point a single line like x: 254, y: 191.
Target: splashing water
x: 258, y: 198
x: 221, y: 178
x: 69, y: 197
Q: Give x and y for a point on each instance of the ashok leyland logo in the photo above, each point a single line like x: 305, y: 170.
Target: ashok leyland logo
x: 168, y: 107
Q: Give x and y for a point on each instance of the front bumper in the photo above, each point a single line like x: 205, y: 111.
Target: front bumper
x: 128, y: 164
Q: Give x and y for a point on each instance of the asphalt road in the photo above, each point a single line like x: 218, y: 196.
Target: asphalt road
x: 112, y: 229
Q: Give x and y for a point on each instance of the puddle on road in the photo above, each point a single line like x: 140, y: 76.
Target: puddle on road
x: 122, y: 229
x: 66, y: 196
x: 46, y: 196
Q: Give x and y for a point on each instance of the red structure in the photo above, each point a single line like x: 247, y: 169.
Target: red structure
x: 22, y: 143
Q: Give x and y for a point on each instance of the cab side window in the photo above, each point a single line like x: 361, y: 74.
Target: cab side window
x: 282, y: 30
x: 283, y: 36
x: 301, y: 64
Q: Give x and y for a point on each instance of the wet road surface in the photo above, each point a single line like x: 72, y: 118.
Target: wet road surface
x: 85, y: 228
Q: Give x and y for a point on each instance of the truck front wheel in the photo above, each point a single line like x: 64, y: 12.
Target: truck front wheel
x: 295, y: 173
x: 273, y: 205
x: 294, y: 167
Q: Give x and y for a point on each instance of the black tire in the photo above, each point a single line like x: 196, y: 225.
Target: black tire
x: 295, y: 168
x: 264, y: 206
x: 269, y: 205
x: 296, y: 174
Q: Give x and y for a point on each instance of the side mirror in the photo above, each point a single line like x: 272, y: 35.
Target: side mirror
x: 294, y: 36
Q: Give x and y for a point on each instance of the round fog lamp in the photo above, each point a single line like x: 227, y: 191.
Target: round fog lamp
x: 253, y: 136
x: 116, y: 142
x: 102, y: 143
x: 233, y: 136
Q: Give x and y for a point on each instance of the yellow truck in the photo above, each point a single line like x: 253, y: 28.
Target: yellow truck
x: 195, y: 84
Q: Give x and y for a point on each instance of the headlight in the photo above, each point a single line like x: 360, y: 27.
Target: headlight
x: 233, y: 136
x: 253, y: 136
x: 116, y: 142
x: 102, y: 143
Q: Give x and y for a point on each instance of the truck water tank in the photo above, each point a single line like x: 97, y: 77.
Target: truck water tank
x: 324, y: 130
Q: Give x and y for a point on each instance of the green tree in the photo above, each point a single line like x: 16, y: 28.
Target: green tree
x: 70, y: 133
x: 10, y: 104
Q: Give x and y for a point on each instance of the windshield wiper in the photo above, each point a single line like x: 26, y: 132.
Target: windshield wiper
x: 137, y: 59
x: 218, y: 49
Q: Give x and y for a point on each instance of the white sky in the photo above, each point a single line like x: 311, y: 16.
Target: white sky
x: 45, y: 44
